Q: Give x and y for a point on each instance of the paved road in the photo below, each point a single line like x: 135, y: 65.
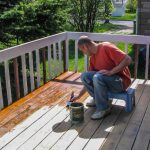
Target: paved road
x: 125, y: 23
x: 126, y: 27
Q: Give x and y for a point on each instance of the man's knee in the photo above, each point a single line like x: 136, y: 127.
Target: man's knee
x: 84, y: 76
x: 98, y: 77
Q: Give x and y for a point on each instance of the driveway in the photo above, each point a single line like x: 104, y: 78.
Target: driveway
x: 125, y: 27
x: 125, y: 23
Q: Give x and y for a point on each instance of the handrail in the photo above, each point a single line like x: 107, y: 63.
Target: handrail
x: 136, y: 39
x: 126, y: 39
x: 16, y: 51
x: 26, y: 59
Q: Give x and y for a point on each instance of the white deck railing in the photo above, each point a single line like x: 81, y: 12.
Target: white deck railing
x: 58, y: 45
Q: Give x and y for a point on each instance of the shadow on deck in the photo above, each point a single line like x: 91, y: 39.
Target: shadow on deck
x: 41, y: 121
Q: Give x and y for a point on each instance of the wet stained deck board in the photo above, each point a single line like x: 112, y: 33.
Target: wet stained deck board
x: 48, y: 96
x: 41, y: 121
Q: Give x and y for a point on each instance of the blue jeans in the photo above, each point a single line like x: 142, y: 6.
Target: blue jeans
x: 98, y: 86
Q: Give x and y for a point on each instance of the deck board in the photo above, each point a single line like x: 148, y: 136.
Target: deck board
x: 62, y: 128
x: 41, y: 121
x: 39, y: 135
x: 143, y: 136
x: 122, y: 121
x: 130, y: 133
x: 107, y: 125
x: 54, y: 99
x: 149, y: 145
x: 33, y: 101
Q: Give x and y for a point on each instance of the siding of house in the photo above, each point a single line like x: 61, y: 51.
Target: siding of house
x: 143, y: 17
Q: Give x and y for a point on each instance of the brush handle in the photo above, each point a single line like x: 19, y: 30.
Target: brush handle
x: 72, y: 95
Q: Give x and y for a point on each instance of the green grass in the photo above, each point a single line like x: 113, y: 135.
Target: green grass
x: 2, y: 46
x: 101, y: 28
x: 126, y: 17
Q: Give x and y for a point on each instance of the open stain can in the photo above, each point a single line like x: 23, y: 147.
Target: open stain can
x: 76, y: 112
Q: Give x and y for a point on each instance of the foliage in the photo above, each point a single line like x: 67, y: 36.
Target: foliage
x: 108, y: 7
x: 84, y: 14
x: 29, y: 21
x: 131, y: 6
x: 9, y: 4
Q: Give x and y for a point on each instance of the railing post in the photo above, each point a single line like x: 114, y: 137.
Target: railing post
x: 136, y: 59
x: 16, y: 74
x: 44, y: 64
x: 55, y: 59
x: 8, y: 86
x: 32, y: 84
x: 86, y: 62
x: 1, y: 95
x: 147, y: 62
x: 38, y: 68
x: 49, y: 62
x: 76, y: 55
x: 64, y: 56
x: 60, y: 57
x: 24, y: 74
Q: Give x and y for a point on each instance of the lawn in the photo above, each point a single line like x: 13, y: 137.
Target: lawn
x: 126, y: 17
x: 101, y: 27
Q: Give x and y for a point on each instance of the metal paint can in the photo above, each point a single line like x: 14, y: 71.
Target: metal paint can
x: 76, y: 112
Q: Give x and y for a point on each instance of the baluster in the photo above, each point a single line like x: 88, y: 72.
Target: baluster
x: 38, y: 68
x: 76, y: 55
x: 8, y: 87
x: 24, y: 74
x: 31, y: 71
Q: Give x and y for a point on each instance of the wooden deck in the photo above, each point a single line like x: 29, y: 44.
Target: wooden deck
x: 41, y: 121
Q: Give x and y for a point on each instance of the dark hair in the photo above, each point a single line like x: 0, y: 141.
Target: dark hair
x: 84, y: 40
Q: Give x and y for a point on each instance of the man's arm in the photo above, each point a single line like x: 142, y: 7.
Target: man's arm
x: 125, y: 62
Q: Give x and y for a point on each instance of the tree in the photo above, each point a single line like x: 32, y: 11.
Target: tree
x: 7, y: 4
x: 108, y: 7
x: 84, y: 14
x: 131, y: 6
x: 31, y: 20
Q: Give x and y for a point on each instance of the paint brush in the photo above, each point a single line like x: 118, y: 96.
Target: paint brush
x: 70, y: 100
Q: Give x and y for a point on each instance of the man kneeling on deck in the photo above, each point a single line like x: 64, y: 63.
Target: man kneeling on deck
x: 108, y: 71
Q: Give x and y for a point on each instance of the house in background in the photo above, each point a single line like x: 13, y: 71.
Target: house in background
x: 119, y: 7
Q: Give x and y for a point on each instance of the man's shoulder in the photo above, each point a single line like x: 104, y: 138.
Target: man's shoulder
x: 107, y: 44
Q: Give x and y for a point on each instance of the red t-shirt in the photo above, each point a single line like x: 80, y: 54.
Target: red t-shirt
x: 107, y: 57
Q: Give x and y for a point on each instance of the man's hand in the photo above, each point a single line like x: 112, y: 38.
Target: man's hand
x: 105, y: 72
x: 77, y: 96
x: 74, y: 98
